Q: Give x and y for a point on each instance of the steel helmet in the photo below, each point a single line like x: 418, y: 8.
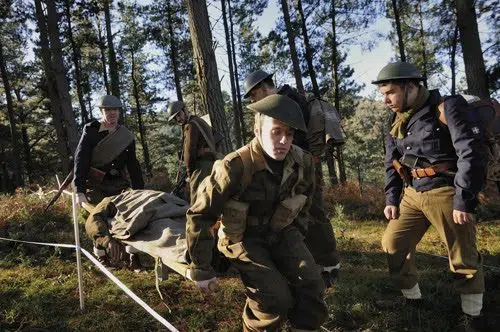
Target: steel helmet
x: 173, y: 109
x: 281, y: 108
x: 398, y: 71
x: 253, y: 79
x: 109, y: 101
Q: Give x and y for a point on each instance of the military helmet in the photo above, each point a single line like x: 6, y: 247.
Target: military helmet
x: 173, y: 109
x: 398, y: 71
x: 253, y: 79
x: 281, y: 108
x: 109, y: 101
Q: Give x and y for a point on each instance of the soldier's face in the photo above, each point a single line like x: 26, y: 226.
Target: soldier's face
x: 394, y: 95
x: 276, y: 137
x: 110, y: 115
x: 258, y: 94
x: 180, y: 118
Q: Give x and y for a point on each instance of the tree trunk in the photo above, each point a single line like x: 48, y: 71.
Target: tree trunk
x: 335, y: 57
x: 102, y: 49
x: 206, y: 69
x: 360, y: 180
x: 24, y: 136
x: 174, y: 53
x: 291, y: 44
x: 475, y: 71
x: 422, y: 43
x: 16, y: 152
x: 236, y: 77
x: 76, y: 62
x: 399, y: 32
x: 142, y: 130
x: 309, y: 51
x: 52, y: 89
x: 60, y: 76
x: 237, y: 129
x: 453, y: 55
x: 341, y: 164
x: 113, y: 66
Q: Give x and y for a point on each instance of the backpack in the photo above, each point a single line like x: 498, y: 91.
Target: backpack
x: 324, y: 126
x: 489, y: 115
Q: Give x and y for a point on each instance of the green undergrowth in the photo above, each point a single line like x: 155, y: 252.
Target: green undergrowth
x: 39, y: 287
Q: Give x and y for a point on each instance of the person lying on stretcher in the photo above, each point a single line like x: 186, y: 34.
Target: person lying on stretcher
x: 150, y: 221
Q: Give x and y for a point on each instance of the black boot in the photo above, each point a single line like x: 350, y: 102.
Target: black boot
x: 135, y: 263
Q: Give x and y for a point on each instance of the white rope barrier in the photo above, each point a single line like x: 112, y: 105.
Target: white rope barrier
x: 103, y: 269
x: 78, y: 249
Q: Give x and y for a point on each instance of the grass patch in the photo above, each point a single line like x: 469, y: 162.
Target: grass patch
x: 38, y: 286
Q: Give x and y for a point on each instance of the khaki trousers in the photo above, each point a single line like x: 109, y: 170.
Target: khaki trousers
x: 282, y: 281
x: 202, y: 170
x: 419, y: 210
x: 320, y: 238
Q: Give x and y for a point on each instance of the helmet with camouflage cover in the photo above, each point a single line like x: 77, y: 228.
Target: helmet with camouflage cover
x: 398, y: 71
x: 281, y: 108
x: 109, y: 101
x: 173, y: 109
x: 253, y: 79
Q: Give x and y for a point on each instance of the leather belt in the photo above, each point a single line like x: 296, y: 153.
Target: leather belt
x: 433, y: 170
x: 204, y: 151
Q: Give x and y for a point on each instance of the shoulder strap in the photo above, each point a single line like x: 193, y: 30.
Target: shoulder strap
x: 246, y: 158
x: 111, y: 146
x: 206, y: 131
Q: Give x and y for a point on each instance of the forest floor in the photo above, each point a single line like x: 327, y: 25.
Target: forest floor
x: 39, y: 287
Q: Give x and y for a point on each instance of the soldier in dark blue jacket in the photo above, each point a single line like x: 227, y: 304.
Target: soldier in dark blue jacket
x: 434, y: 171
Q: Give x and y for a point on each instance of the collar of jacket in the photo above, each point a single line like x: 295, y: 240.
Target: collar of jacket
x: 433, y: 100
x: 294, y: 156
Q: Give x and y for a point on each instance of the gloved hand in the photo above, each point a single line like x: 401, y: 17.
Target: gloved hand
x: 80, y: 199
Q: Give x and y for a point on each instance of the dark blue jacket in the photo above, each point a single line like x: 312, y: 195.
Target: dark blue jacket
x: 83, y: 155
x: 460, y: 141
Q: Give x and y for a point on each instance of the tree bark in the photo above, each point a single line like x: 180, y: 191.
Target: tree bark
x: 237, y: 129
x: 236, y: 77
x: 76, y: 62
x: 16, y: 152
x: 102, y: 49
x: 309, y: 52
x: 453, y: 55
x: 332, y: 174
x: 475, y: 70
x: 23, y: 115
x: 401, y: 45
x: 142, y: 130
x: 174, y: 53
x: 206, y: 69
x: 113, y: 65
x: 291, y: 44
x: 422, y: 43
x: 60, y: 76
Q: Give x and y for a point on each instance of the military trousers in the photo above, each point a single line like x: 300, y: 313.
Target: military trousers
x: 419, y: 210
x: 281, y: 280
x: 320, y: 238
x: 203, y: 167
x: 108, y: 187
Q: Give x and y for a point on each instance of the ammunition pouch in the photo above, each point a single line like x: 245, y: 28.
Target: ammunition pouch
x: 235, y: 221
x: 286, y: 212
x: 403, y: 171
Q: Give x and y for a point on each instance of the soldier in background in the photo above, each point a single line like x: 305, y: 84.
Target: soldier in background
x: 198, y: 152
x: 264, y: 191
x: 320, y: 237
x: 103, y: 158
x: 439, y: 167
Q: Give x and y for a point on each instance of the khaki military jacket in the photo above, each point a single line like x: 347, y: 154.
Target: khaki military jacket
x: 263, y: 194
x: 193, y: 145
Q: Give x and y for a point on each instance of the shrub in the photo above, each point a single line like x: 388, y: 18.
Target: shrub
x: 357, y: 206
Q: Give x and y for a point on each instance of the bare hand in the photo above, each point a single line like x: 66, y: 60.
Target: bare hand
x: 462, y: 218
x: 391, y: 212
